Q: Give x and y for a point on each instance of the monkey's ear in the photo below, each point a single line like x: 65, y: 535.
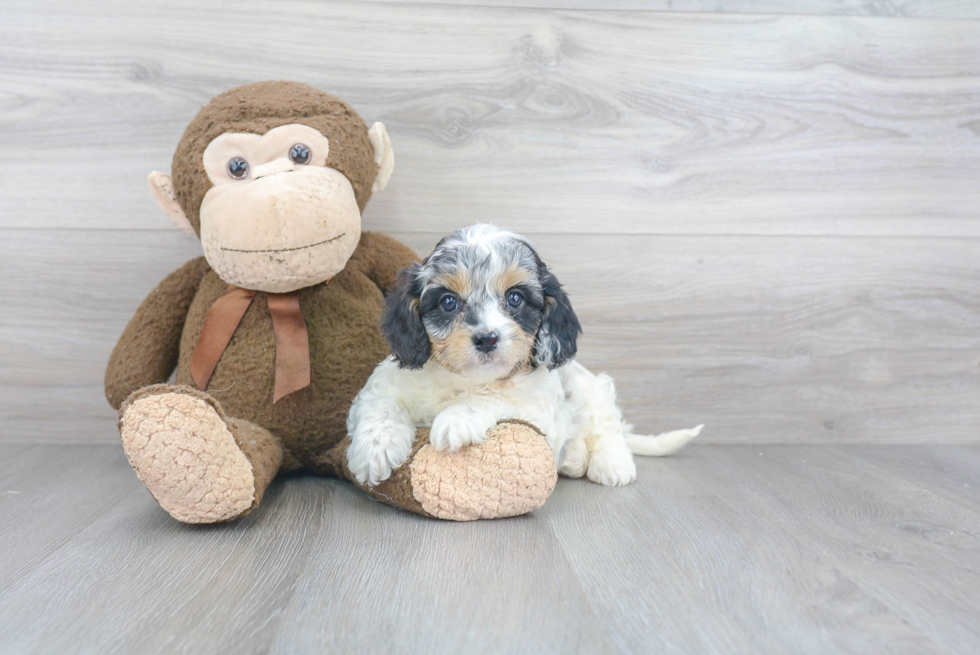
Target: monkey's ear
x: 384, y: 156
x: 163, y: 191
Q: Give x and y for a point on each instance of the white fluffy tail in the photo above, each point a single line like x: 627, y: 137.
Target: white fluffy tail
x: 662, y: 444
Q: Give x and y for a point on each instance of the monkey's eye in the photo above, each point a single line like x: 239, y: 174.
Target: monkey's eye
x: 449, y: 303
x: 238, y: 168
x: 300, y: 154
x: 515, y: 299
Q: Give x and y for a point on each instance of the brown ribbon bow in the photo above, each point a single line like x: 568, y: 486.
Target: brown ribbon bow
x: 292, y: 339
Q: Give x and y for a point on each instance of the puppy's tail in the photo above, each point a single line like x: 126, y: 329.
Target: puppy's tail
x: 662, y: 444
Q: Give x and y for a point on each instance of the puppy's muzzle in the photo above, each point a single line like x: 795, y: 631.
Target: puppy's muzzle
x: 485, y: 342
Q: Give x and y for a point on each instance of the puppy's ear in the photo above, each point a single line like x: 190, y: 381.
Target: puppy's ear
x: 557, y: 337
x: 401, y: 323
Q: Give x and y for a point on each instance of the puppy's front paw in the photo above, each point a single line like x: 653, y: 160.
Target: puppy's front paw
x: 377, y: 448
x: 576, y: 460
x: 459, y: 426
x: 612, y: 467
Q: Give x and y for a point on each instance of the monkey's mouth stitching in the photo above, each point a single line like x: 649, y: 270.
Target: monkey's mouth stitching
x: 312, y: 245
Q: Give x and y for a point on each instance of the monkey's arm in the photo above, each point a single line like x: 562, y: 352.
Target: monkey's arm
x: 146, y: 352
x: 384, y: 257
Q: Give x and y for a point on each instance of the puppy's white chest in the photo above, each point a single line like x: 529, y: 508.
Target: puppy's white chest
x: 538, y: 394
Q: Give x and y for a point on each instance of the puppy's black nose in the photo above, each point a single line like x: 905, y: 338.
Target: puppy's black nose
x: 485, y: 341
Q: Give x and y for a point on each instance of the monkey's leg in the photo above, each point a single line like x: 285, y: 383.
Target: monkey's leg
x: 511, y: 473
x: 201, y: 465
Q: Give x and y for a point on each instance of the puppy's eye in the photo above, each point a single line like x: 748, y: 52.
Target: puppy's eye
x: 515, y: 299
x: 300, y: 154
x: 238, y: 168
x: 449, y: 304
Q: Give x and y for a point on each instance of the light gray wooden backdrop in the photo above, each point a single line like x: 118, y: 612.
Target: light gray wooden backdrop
x: 767, y: 213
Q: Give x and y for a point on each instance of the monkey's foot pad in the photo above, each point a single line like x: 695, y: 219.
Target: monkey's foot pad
x: 183, y: 451
x: 509, y: 474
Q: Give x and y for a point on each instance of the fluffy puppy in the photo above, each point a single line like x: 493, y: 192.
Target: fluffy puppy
x: 479, y: 332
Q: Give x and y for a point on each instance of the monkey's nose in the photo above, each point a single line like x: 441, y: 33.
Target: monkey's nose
x: 485, y: 342
x: 280, y: 165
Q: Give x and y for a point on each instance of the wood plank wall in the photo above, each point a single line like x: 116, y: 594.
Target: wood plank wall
x: 767, y: 213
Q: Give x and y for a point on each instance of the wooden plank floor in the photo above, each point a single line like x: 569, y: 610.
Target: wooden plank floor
x: 721, y: 549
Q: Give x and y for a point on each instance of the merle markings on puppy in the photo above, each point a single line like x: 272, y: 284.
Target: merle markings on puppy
x: 481, y: 331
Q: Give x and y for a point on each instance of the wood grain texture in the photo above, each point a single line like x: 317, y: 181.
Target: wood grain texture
x: 779, y: 214
x: 717, y: 550
x: 73, y: 486
x: 765, y: 339
x: 445, y: 588
x: 948, y: 471
x: 894, y: 8
x: 787, y: 549
x: 592, y: 121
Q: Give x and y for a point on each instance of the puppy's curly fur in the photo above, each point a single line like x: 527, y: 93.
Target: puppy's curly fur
x: 479, y: 332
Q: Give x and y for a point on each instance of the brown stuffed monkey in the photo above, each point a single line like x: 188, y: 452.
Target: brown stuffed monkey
x: 276, y: 328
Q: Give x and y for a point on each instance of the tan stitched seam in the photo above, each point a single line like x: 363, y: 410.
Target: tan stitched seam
x: 312, y: 245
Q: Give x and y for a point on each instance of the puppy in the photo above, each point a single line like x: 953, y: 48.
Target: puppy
x: 482, y: 331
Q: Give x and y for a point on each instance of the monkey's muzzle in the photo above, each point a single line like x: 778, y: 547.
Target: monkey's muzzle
x: 282, y: 229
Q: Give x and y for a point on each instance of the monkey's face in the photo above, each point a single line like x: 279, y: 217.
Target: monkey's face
x: 277, y: 218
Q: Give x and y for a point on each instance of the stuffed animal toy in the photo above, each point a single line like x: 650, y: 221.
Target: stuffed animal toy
x: 276, y: 328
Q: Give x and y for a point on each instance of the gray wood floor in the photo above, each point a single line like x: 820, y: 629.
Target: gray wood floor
x: 721, y: 549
